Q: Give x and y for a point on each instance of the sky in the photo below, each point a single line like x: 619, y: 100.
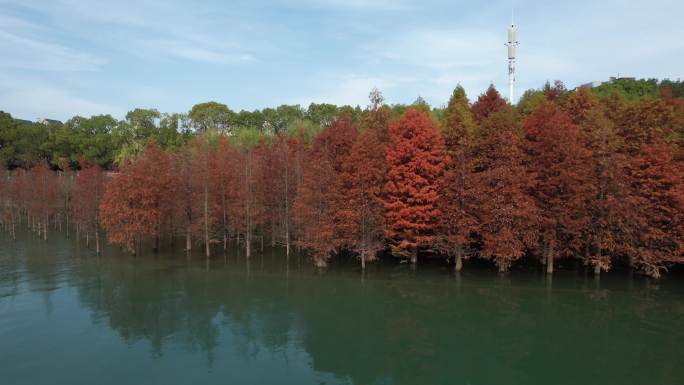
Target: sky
x: 61, y: 58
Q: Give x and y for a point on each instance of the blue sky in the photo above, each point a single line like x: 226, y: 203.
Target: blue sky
x: 66, y: 57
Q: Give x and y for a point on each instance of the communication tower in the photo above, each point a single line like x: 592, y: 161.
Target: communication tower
x: 512, y: 44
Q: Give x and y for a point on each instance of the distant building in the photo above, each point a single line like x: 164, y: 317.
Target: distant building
x: 48, y: 122
x: 591, y: 84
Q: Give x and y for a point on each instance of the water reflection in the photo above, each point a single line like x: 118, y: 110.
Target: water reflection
x: 268, y: 321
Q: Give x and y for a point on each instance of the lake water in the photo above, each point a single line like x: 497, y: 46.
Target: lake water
x: 67, y: 317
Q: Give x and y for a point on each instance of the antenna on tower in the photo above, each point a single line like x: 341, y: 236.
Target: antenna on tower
x: 512, y: 45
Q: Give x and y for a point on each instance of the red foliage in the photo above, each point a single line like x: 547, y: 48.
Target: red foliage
x: 458, y: 195
x: 560, y: 163
x: 43, y: 197
x: 415, y: 163
x: 507, y: 214
x: 358, y: 202
x: 487, y: 104
x: 137, y: 200
x: 315, y: 205
x: 657, y: 201
x: 86, y: 195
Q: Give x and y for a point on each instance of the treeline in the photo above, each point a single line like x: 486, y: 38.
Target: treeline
x: 564, y: 174
x: 106, y: 141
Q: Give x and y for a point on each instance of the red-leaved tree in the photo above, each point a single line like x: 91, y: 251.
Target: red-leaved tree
x: 415, y: 163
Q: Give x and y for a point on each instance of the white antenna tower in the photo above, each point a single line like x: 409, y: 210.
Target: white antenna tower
x: 512, y: 44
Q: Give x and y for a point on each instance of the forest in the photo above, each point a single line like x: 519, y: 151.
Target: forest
x: 594, y: 175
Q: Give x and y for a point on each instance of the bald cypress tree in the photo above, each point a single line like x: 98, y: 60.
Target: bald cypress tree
x: 457, y: 201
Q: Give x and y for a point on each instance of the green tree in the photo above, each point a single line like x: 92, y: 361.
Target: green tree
x: 211, y: 116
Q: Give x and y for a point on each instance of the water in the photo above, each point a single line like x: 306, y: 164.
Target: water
x: 67, y: 317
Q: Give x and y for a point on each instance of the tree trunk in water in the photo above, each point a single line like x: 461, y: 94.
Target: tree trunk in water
x: 414, y: 257
x: 287, y: 243
x: 458, y: 266
x: 45, y: 226
x: 206, y: 220
x: 549, y: 261
x: 97, y: 242
x: 458, y: 263
x: 188, y: 240
x: 248, y: 244
x: 502, y: 268
x: 597, y: 269
x: 87, y: 239
x: 363, y: 261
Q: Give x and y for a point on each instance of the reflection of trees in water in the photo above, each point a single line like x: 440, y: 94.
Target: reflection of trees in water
x: 163, y: 303
x: 10, y: 268
x: 394, y: 326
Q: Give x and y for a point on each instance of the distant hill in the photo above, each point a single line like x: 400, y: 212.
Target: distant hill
x: 637, y: 89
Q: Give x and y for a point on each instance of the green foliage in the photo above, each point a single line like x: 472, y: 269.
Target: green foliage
x: 631, y: 89
x: 530, y: 101
x: 211, y: 116
x: 22, y: 144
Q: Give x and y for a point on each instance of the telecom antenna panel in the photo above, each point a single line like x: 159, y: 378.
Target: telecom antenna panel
x: 512, y: 45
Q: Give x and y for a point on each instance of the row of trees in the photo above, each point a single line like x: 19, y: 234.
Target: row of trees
x: 561, y: 175
x: 106, y: 141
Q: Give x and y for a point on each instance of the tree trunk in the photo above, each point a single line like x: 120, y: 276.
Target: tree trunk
x: 87, y: 239
x: 363, y: 261
x: 458, y: 263
x: 458, y: 266
x: 502, y: 268
x: 206, y: 219
x: 597, y: 269
x: 414, y: 257
x: 97, y: 241
x: 248, y: 244
x: 549, y: 260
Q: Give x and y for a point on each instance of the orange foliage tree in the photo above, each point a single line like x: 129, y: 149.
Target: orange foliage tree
x: 315, y: 208
x: 415, y: 163
x: 507, y: 214
x: 88, y: 188
x: 458, y: 197
x: 560, y: 164
x: 137, y: 199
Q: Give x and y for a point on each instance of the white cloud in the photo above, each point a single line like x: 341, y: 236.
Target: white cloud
x: 23, y: 50
x: 199, y: 51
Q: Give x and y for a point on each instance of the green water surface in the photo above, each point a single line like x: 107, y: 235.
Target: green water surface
x: 68, y: 317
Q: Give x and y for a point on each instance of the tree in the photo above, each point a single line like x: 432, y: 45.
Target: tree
x: 507, y: 214
x: 487, y: 103
x: 415, y: 163
x: 358, y: 197
x: 657, y: 196
x: 607, y: 208
x: 315, y: 205
x: 137, y: 199
x: 203, y: 186
x: 560, y: 164
x: 211, y: 116
x: 85, y: 201
x: 457, y: 201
